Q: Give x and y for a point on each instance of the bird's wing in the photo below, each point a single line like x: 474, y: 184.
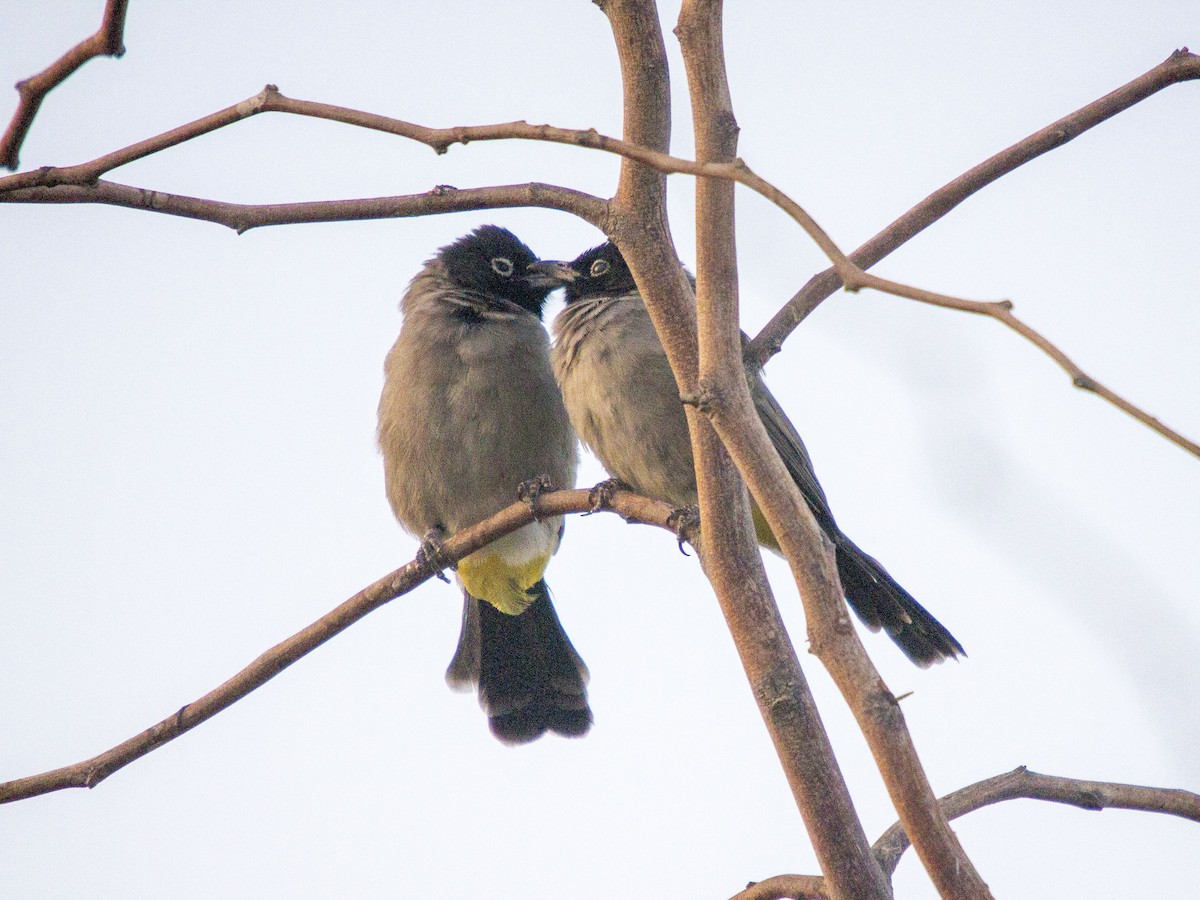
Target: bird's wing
x: 793, y: 453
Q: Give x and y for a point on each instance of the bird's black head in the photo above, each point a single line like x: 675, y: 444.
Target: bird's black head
x: 492, y: 260
x: 599, y: 272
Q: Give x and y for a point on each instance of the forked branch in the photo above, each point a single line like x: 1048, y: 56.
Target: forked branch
x: 107, y: 41
x: 1178, y: 67
x: 81, y: 184
x: 1018, y: 784
x: 730, y: 552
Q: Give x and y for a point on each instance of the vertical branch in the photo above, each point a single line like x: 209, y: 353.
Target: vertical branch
x: 646, y: 98
x: 731, y: 557
x: 849, y: 867
x: 638, y: 213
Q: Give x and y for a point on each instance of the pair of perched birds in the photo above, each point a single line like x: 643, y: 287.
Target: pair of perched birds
x: 476, y: 402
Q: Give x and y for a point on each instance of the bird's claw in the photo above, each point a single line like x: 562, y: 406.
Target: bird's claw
x: 682, y: 520
x: 431, y: 555
x: 600, y: 497
x: 529, y: 491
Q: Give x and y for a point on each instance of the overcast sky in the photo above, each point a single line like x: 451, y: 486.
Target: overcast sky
x: 188, y: 471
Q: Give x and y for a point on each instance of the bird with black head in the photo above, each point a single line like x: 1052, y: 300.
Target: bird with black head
x: 622, y: 399
x: 469, y: 412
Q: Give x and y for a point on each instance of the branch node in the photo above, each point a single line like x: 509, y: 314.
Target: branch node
x: 852, y: 280
x: 705, y: 398
x: 1084, y: 382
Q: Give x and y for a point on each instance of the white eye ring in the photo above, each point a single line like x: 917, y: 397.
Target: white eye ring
x: 599, y: 267
x: 502, y: 266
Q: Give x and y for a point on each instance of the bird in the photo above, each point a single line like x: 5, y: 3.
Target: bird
x: 623, y: 401
x: 469, y: 412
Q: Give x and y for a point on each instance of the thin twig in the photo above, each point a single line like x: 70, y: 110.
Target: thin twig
x: 1086, y: 382
x: 1001, y: 311
x: 91, y: 772
x: 1021, y: 783
x: 107, y: 41
x: 1178, y: 67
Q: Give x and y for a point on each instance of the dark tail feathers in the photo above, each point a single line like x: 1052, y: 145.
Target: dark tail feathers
x: 882, y: 603
x: 529, y: 678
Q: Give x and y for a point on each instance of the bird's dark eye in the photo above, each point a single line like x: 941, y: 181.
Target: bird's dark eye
x: 599, y: 267
x: 502, y: 266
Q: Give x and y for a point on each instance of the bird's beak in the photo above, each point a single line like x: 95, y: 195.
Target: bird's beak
x: 550, y: 273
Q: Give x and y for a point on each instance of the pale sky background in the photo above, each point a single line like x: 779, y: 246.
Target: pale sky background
x: 188, y: 471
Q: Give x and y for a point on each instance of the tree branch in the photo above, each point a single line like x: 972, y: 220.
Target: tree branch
x: 730, y: 553
x: 772, y: 665
x: 241, y: 217
x: 1178, y: 67
x: 107, y: 41
x: 1001, y: 311
x: 80, y: 184
x: 637, y: 147
x: 90, y: 772
x: 1021, y: 783
x: 834, y: 641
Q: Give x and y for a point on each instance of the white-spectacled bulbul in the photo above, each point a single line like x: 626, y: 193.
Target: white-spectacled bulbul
x: 470, y: 411
x: 623, y: 401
